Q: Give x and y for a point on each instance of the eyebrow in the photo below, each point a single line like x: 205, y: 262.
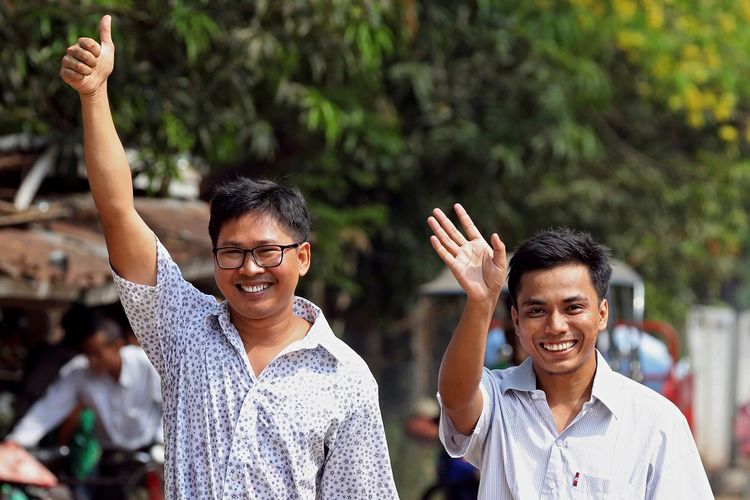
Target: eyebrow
x: 539, y: 302
x: 233, y: 243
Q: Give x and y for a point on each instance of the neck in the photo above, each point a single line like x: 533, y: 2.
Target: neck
x: 571, y: 389
x: 271, y: 332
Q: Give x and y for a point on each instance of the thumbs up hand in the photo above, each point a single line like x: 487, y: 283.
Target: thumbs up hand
x: 87, y: 64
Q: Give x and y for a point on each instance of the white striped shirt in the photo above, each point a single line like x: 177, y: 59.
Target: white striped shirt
x: 627, y: 442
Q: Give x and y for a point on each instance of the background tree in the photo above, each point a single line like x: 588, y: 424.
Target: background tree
x: 626, y: 118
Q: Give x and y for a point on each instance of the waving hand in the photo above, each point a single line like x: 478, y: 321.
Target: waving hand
x: 479, y: 268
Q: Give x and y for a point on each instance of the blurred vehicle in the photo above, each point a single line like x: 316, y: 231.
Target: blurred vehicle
x: 42, y: 474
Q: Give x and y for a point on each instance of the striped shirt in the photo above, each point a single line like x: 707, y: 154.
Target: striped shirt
x: 627, y: 442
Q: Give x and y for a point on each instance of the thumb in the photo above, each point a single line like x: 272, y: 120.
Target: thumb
x: 499, y: 256
x: 105, y: 29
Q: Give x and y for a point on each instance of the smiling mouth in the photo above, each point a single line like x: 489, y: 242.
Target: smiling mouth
x: 254, y: 288
x: 558, y: 346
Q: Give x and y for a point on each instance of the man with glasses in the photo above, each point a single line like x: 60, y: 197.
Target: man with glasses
x: 261, y: 400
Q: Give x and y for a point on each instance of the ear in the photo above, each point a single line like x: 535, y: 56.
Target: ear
x: 303, y: 257
x: 603, y: 314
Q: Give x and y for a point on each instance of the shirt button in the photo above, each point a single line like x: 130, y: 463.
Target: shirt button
x: 553, y: 485
x: 559, y: 443
x: 535, y: 395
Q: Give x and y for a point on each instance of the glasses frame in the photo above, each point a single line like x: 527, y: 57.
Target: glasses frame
x: 251, y: 251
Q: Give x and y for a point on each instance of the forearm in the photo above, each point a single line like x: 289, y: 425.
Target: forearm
x: 461, y: 368
x: 106, y: 163
x: 129, y: 241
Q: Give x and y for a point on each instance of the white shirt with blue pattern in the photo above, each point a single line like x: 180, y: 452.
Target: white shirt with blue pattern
x: 308, y: 427
x: 627, y: 442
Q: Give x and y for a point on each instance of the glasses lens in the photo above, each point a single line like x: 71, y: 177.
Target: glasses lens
x: 268, y: 256
x: 230, y: 258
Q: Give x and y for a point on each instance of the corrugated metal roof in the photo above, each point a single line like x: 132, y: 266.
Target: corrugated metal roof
x: 66, y: 259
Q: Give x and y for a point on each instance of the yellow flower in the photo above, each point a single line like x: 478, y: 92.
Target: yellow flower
x: 727, y: 23
x: 625, y: 9
x: 728, y: 133
x: 693, y: 99
x: 691, y: 51
x: 654, y: 16
x: 695, y: 119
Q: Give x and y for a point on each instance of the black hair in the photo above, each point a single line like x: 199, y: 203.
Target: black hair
x: 241, y: 195
x: 556, y: 247
x: 80, y: 323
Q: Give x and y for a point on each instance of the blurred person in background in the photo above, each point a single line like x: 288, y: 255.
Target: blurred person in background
x: 114, y: 382
x: 43, y: 362
x: 562, y: 424
x: 262, y: 400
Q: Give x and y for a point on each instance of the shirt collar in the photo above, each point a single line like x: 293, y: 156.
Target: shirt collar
x: 320, y: 333
x: 522, y: 378
x: 605, y: 388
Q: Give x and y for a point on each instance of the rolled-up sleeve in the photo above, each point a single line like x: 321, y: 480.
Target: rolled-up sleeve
x: 468, y: 446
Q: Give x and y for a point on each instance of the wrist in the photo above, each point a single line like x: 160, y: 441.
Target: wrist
x: 96, y: 95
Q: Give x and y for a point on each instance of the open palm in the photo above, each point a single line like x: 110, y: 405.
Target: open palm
x: 87, y: 64
x: 479, y: 268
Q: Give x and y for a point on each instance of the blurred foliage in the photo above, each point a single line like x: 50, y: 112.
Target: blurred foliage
x: 625, y: 118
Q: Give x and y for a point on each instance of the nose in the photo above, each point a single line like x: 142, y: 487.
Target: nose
x: 249, y: 266
x: 557, y: 323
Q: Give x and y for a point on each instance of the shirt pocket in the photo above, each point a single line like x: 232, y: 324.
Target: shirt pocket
x: 596, y: 487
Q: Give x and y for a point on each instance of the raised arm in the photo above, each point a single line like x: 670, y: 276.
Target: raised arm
x: 130, y: 243
x: 480, y: 270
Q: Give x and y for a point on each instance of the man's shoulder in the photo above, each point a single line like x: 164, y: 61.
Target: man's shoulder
x: 641, y: 402
x: 351, y: 362
x: 77, y: 365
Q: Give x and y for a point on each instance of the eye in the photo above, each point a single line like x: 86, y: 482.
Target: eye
x: 266, y: 252
x: 535, y: 312
x: 575, y: 308
x: 231, y: 253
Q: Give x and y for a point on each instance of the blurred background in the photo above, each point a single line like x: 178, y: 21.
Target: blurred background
x: 625, y: 118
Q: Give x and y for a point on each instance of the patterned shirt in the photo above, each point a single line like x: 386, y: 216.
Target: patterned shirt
x: 128, y: 410
x: 627, y: 442
x: 309, y: 426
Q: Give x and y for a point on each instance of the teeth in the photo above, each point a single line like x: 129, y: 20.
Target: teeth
x: 254, y: 288
x: 560, y: 346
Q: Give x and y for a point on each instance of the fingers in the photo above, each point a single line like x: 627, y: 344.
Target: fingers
x: 463, y: 217
x: 78, y: 53
x: 443, y: 253
x: 90, y: 45
x: 68, y: 75
x: 76, y: 66
x: 445, y: 231
x: 105, y: 29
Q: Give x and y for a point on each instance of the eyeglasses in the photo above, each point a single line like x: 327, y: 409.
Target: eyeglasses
x: 263, y: 255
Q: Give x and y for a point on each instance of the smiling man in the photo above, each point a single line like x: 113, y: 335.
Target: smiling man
x: 562, y: 424
x: 261, y: 399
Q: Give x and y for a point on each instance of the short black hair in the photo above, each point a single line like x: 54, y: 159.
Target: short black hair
x: 241, y: 195
x: 556, y: 247
x: 81, y: 322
